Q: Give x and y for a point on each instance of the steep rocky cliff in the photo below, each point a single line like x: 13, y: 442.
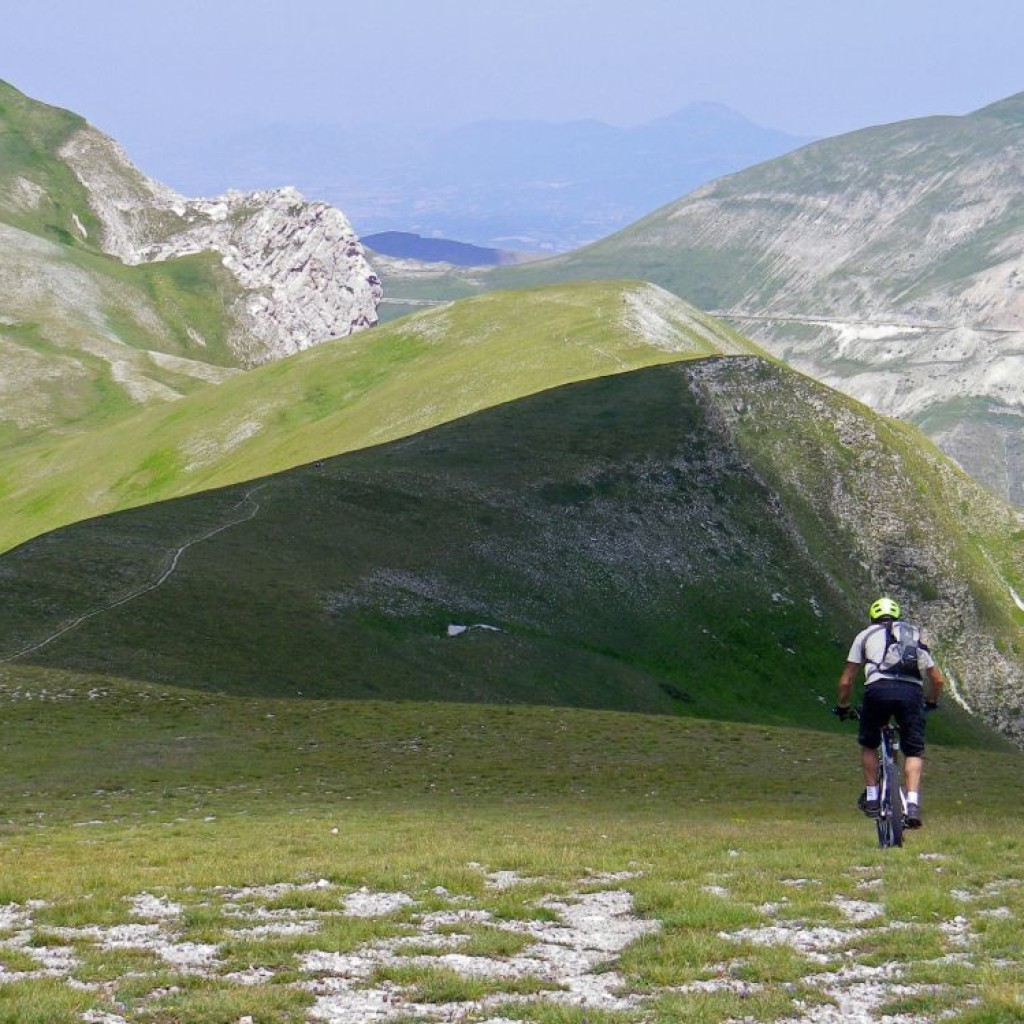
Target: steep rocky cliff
x: 301, y: 271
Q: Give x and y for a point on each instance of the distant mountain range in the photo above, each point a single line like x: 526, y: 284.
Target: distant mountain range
x: 888, y: 263
x: 527, y: 186
x: 406, y: 245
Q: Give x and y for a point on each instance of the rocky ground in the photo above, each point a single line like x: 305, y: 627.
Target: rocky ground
x: 570, y: 950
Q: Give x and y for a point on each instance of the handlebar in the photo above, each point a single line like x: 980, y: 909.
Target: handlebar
x: 844, y: 713
x: 854, y: 712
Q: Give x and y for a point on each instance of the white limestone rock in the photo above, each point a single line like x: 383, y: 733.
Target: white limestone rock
x: 301, y: 272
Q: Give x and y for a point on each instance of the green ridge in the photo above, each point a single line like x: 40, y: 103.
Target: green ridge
x: 685, y: 539
x: 376, y: 386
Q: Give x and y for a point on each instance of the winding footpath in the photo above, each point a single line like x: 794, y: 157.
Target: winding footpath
x: 175, y: 557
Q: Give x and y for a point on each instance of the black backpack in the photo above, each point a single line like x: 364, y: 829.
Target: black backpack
x: 902, y: 643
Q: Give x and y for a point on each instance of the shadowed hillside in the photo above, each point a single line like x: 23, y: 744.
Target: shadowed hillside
x: 684, y: 539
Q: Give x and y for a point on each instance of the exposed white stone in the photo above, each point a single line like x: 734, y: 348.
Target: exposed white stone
x: 301, y: 272
x: 364, y: 903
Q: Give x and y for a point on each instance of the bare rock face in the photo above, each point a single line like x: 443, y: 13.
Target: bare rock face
x: 301, y: 272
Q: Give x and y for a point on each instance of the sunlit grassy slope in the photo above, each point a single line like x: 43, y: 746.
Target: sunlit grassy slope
x: 684, y: 539
x: 373, y: 387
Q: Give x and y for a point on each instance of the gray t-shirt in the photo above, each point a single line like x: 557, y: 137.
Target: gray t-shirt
x: 869, y: 648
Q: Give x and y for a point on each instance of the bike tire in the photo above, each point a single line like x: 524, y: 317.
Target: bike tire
x: 894, y: 802
x: 884, y: 822
x: 882, y: 825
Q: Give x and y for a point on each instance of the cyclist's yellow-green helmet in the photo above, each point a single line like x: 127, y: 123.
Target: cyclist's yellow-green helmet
x: 884, y: 607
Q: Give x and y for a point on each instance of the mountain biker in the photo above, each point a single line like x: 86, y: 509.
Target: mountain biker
x: 889, y: 692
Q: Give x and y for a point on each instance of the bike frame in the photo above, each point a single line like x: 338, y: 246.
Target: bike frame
x: 892, y: 797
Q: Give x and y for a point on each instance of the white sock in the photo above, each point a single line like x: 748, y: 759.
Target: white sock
x: 914, y: 798
x: 872, y: 792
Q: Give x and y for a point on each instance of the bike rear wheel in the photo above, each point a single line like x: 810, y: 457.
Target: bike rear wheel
x: 896, y: 804
x: 890, y: 818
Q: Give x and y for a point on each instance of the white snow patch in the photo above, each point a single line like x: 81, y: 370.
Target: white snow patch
x: 456, y: 629
x: 858, y: 910
x: 14, y: 918
x: 854, y: 332
x: 201, y: 451
x: 957, y: 931
x: 194, y: 955
x: 155, y: 907
x: 816, y: 943
x: 858, y: 992
x: 261, y: 931
x: 717, y: 890
x: 592, y: 927
x: 996, y: 913
x: 661, y: 319
x: 26, y: 194
x: 503, y: 880
x: 194, y: 368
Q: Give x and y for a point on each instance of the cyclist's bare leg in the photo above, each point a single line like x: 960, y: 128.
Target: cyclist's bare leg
x: 912, y: 771
x: 869, y: 761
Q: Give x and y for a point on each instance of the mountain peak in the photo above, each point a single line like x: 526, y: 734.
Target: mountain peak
x: 1010, y: 109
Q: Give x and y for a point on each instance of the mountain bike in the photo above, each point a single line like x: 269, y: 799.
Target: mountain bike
x: 892, y: 798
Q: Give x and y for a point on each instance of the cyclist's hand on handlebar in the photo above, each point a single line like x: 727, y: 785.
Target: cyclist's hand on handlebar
x: 843, y: 713
x: 931, y: 705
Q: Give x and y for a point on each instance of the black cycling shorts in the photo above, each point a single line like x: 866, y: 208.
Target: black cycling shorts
x: 902, y: 701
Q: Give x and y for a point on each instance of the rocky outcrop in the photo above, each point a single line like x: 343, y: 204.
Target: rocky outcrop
x: 884, y: 499
x: 299, y: 272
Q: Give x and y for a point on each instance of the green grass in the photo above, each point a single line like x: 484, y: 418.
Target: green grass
x: 151, y: 791
x: 377, y: 386
x: 633, y: 548
x: 444, y: 985
x: 216, y: 1002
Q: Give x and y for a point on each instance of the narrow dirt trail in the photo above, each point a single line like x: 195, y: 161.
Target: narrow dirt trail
x: 173, y: 559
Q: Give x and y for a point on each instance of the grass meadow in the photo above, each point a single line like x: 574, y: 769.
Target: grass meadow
x: 765, y: 895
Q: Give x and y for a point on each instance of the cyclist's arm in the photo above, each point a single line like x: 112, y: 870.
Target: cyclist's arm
x: 936, y: 678
x: 846, y: 681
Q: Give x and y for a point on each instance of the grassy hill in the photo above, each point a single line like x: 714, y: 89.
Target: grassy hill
x: 687, y: 539
x: 86, y: 339
x: 377, y: 386
x: 173, y: 856
x: 883, y: 262
x: 234, y: 718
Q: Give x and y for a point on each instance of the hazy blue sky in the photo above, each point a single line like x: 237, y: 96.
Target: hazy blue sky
x: 811, y: 67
